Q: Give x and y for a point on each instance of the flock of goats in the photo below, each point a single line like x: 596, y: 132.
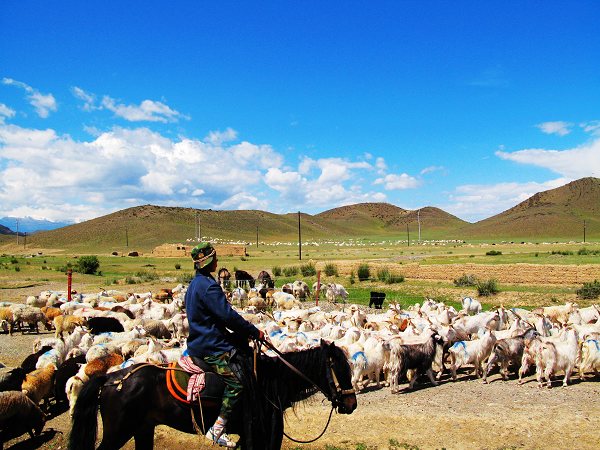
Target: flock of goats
x: 101, y: 332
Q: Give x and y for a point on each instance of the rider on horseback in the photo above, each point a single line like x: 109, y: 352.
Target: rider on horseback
x: 209, y: 314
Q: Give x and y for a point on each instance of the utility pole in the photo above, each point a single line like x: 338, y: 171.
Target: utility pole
x: 299, y: 239
x: 419, y: 222
x: 25, y: 240
x: 126, y: 237
x: 584, y: 231
x: 196, y: 225
x: 17, y: 231
x: 256, y: 236
x: 407, y: 235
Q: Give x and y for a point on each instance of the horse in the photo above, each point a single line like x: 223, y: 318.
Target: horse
x: 135, y: 400
x: 243, y: 279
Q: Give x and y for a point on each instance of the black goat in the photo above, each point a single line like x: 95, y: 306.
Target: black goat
x: 376, y: 299
x: 99, y: 325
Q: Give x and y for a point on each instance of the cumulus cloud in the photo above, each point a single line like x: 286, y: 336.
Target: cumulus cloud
x: 560, y: 128
x: 578, y: 162
x: 5, y: 112
x: 398, y: 182
x: 42, y: 103
x: 122, y: 167
x: 475, y: 202
x: 148, y: 110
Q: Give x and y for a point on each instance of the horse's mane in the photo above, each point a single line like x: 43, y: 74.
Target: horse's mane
x: 280, y: 384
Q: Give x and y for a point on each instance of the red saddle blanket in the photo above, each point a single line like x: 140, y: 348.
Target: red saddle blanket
x: 186, y: 380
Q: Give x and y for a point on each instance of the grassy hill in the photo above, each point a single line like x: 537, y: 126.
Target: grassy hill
x: 554, y: 214
x: 557, y: 214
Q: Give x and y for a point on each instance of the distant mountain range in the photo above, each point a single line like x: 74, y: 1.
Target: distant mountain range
x: 8, y: 225
x: 557, y: 214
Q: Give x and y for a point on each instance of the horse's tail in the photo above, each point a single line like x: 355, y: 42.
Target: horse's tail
x: 84, y: 425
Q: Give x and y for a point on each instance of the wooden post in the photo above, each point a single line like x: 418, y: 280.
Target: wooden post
x: 69, y: 283
x: 299, y: 239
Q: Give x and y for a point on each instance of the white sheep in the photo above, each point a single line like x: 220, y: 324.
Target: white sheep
x: 472, y: 352
x: 558, y: 356
x: 590, y: 357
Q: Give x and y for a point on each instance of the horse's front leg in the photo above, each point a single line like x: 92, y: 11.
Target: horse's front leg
x: 144, y: 438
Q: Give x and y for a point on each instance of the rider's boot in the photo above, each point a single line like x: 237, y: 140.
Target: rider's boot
x: 217, y: 434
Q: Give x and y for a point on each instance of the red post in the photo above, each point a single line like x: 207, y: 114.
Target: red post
x: 318, y: 287
x: 69, y: 283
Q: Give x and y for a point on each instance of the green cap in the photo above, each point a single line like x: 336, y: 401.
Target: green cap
x: 203, y: 254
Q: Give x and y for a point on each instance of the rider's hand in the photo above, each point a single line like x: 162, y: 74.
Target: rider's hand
x: 261, y: 335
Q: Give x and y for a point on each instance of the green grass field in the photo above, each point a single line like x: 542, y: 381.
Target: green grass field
x: 124, y: 273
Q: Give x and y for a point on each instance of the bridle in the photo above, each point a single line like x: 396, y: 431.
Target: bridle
x: 334, y: 396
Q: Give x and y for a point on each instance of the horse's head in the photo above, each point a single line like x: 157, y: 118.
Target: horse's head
x: 338, y: 376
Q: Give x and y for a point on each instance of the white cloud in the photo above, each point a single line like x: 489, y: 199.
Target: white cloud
x: 219, y: 137
x: 244, y: 200
x: 43, y: 103
x: 89, y: 100
x: 579, y: 162
x: 479, y: 201
x: 5, y: 112
x: 380, y: 165
x: 560, y: 128
x: 148, y: 110
x: 398, y: 182
x: 431, y: 169
x: 592, y: 127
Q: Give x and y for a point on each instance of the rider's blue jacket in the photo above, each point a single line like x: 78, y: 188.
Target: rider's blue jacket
x: 209, y: 314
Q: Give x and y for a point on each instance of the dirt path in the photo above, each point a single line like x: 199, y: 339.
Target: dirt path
x: 463, y: 415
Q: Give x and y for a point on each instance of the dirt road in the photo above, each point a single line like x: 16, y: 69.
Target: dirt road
x: 466, y: 414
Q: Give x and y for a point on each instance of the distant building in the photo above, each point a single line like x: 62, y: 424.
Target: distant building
x: 182, y: 250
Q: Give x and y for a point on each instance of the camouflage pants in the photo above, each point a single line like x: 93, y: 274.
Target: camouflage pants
x: 233, y: 386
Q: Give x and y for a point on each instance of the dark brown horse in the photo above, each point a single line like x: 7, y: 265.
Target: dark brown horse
x: 133, y: 405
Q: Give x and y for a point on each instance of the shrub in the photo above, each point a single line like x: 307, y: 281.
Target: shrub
x: 17, y: 269
x: 331, y: 270
x: 185, y: 278
x: 290, y: 271
x: 466, y: 280
x: 276, y: 271
x: 589, y: 290
x: 144, y: 275
x: 363, y: 272
x: 177, y: 266
x: 308, y: 270
x: 383, y: 274
x: 88, y: 264
x: 487, y: 288
x: 586, y: 251
x: 14, y: 260
x: 352, y: 280
x: 562, y: 252
x: 493, y: 253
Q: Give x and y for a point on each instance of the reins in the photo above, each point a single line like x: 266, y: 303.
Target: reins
x: 305, y: 378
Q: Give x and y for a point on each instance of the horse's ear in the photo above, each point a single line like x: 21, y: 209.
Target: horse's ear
x: 325, y: 344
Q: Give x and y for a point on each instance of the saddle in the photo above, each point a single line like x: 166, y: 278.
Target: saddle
x: 210, y: 386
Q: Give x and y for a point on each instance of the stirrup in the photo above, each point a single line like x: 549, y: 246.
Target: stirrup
x: 222, y: 439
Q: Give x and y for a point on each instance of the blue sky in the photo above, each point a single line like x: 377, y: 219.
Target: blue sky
x: 285, y: 106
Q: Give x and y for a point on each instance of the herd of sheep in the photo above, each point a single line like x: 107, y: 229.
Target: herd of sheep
x: 107, y: 331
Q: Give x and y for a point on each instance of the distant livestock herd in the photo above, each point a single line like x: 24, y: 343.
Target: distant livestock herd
x: 96, y: 333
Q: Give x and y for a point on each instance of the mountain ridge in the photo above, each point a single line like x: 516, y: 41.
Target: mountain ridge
x: 555, y: 213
